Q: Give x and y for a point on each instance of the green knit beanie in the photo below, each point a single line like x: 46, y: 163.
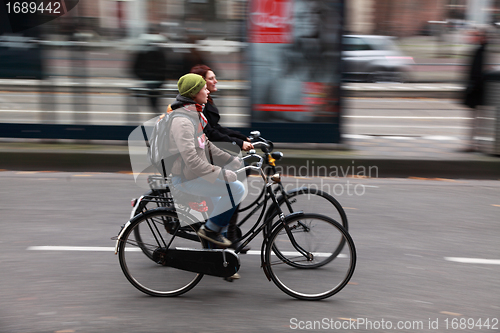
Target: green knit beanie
x: 190, y: 84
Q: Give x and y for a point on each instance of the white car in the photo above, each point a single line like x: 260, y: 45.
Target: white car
x: 369, y: 58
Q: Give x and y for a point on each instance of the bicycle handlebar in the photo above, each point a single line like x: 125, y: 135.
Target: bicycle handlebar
x: 248, y: 167
x: 257, y: 167
x: 259, y: 164
x: 261, y: 143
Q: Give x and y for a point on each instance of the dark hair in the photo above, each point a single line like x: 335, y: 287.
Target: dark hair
x: 201, y: 70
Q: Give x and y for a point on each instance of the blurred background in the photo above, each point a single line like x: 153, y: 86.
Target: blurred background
x: 79, y: 68
x: 70, y: 95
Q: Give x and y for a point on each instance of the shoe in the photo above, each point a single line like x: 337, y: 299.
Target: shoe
x: 213, y: 237
x: 235, y: 276
x: 244, y: 250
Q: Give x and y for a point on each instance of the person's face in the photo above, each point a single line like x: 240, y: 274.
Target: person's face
x: 211, y: 81
x: 202, y: 96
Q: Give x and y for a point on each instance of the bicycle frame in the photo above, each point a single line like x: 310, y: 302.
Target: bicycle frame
x: 267, y: 223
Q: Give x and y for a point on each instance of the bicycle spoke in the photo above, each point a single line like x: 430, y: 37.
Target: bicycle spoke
x: 144, y: 236
x: 314, y: 277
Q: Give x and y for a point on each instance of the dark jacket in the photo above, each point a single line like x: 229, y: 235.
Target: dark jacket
x: 474, y: 90
x: 215, y: 132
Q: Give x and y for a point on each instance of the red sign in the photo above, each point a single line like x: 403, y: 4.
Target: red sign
x: 270, y: 21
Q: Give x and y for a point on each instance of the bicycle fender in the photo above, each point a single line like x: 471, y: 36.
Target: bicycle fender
x: 262, y: 261
x: 120, y: 234
x: 289, y: 216
x: 295, y: 191
x: 134, y: 209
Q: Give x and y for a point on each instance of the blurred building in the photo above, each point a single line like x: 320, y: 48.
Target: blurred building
x: 131, y: 18
x: 413, y: 17
x: 226, y: 18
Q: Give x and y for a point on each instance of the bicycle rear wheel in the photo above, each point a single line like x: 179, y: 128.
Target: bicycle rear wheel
x: 307, y: 276
x: 313, y: 199
x: 153, y: 233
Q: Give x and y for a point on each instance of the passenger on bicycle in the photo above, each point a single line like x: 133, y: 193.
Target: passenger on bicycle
x: 217, y: 133
x: 193, y: 173
x: 214, y: 131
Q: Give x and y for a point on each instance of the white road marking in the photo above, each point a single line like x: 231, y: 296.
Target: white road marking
x: 408, y: 117
x: 112, y: 249
x: 356, y: 136
x: 440, y: 138
x: 425, y: 137
x: 409, y: 126
x: 474, y: 260
x: 71, y: 112
x: 74, y: 248
x: 393, y: 137
x: 291, y: 253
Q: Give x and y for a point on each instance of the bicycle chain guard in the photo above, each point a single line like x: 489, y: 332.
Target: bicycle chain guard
x: 218, y: 262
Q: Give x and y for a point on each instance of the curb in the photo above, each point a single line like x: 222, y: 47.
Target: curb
x: 313, y: 165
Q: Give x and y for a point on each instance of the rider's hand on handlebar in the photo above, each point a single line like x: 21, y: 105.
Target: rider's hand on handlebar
x: 246, y: 146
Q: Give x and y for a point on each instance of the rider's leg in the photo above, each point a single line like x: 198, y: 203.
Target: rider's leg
x: 232, y: 232
x: 224, y: 205
x: 224, y: 208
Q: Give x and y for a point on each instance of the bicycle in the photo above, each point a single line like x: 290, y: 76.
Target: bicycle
x: 295, y: 199
x: 294, y: 253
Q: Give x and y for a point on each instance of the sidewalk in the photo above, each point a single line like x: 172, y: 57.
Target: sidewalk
x: 358, y: 156
x: 123, y: 86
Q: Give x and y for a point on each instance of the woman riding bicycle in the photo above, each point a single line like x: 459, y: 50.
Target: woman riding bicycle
x: 192, y: 172
x: 217, y: 133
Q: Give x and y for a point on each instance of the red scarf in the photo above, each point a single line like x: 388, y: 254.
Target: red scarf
x: 203, y: 119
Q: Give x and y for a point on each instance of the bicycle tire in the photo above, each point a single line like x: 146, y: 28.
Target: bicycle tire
x: 317, y: 282
x: 145, y: 274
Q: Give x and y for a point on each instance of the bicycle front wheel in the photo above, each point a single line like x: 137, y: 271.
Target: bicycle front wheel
x: 153, y: 233
x: 300, y: 267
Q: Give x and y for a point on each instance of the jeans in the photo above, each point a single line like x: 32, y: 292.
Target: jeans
x: 218, y: 193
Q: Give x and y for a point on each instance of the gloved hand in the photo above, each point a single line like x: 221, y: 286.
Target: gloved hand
x: 235, y: 164
x: 230, y: 176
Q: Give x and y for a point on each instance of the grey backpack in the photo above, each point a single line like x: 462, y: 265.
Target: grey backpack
x: 158, y: 150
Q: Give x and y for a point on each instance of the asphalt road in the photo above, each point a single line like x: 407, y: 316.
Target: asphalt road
x: 428, y: 261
